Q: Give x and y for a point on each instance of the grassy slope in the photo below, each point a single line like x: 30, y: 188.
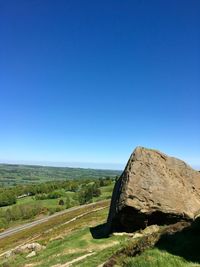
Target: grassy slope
x: 66, y: 241
x: 158, y: 258
x: 178, y: 249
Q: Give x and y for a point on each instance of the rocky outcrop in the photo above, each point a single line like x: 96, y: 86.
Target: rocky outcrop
x: 154, y: 189
x: 31, y: 249
x: 147, y: 239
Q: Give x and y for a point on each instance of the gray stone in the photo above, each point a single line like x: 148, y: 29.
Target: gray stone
x: 28, y: 247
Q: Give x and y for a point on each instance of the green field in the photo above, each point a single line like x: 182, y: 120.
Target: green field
x: 106, y: 193
x: 49, y: 206
x: 24, y: 174
x: 29, y: 200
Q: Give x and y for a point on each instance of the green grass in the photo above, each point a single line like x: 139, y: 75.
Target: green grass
x: 46, y: 202
x: 158, y: 258
x: 101, y: 256
x: 74, y: 245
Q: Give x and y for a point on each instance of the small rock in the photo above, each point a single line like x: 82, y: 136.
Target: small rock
x: 32, y: 254
x: 150, y: 229
x: 9, y: 253
x: 29, y: 247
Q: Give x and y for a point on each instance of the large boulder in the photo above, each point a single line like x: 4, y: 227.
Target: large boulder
x: 154, y: 189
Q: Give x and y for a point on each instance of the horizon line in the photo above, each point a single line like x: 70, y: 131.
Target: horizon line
x: 73, y: 164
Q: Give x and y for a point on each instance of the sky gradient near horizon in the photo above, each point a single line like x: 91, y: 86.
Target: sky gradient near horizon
x: 88, y: 81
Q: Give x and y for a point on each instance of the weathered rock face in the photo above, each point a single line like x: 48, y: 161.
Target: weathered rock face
x: 154, y: 189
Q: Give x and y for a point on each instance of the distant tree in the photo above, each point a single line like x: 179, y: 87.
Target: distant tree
x: 7, y: 198
x: 101, y: 182
x: 61, y: 202
x: 85, y: 195
x: 74, y: 187
x: 97, y: 183
x: 105, y: 181
x: 54, y: 195
x: 96, y: 192
x: 88, y: 192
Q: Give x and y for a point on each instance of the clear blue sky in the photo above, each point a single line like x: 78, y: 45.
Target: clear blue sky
x: 88, y: 81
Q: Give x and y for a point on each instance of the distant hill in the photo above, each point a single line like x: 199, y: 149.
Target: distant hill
x: 12, y: 174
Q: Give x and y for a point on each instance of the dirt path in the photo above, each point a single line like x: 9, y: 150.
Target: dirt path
x: 69, y: 263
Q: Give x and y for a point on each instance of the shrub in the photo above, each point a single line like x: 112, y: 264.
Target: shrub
x: 7, y: 198
x: 61, y: 202
x: 54, y: 195
x: 41, y: 196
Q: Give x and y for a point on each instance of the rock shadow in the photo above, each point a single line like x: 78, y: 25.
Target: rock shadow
x: 104, y: 230
x: 184, y: 244
x: 100, y: 231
